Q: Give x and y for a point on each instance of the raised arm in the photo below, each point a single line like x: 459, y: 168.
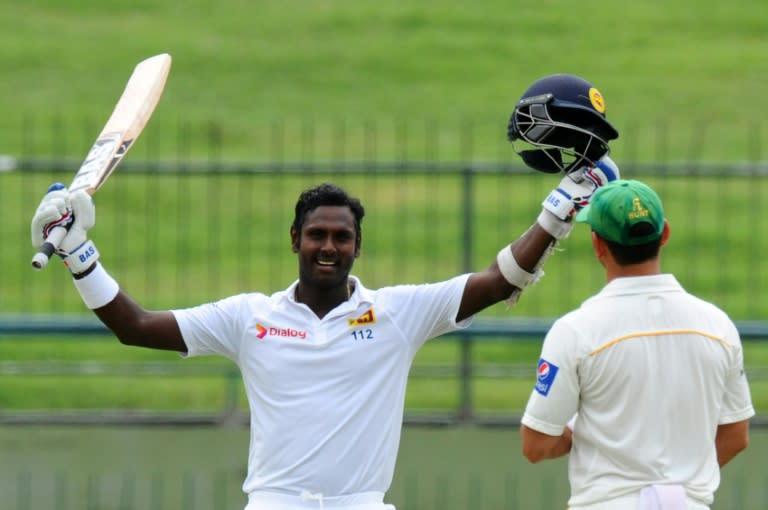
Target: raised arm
x: 132, y: 324
x: 518, y: 265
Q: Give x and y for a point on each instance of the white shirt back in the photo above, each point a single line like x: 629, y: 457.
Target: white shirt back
x: 651, y: 370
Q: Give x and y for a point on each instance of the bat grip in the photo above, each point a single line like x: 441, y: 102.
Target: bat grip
x: 41, y: 258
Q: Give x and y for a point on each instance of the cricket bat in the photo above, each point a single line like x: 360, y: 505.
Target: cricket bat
x: 131, y: 113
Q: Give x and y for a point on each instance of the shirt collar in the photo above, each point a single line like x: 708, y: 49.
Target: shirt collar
x: 359, y: 295
x: 628, y: 285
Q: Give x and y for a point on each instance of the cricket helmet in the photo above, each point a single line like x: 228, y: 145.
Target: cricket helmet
x: 559, y: 124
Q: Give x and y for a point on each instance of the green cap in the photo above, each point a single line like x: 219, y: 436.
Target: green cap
x: 620, y: 205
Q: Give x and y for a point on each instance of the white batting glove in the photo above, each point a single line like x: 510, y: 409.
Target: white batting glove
x: 572, y: 194
x: 53, y: 211
x: 74, y: 211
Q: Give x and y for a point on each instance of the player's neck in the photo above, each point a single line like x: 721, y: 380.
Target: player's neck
x: 323, y: 300
x: 649, y: 268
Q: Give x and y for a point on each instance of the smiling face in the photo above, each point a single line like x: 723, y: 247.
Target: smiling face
x: 327, y: 246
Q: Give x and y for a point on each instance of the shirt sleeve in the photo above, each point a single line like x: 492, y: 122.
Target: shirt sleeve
x: 212, y: 328
x: 555, y: 396
x: 428, y: 310
x: 737, y: 400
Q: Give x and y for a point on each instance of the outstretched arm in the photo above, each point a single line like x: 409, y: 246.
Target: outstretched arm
x: 132, y: 324
x: 488, y: 287
x: 518, y: 265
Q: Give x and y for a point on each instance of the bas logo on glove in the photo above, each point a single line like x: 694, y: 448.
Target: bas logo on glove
x: 573, y: 194
x: 88, y: 253
x: 576, y: 188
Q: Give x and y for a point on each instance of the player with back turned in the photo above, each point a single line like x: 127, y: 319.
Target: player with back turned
x: 325, y: 362
x: 654, y: 375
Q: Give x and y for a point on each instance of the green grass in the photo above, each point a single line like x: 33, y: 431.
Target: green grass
x: 100, y: 374
x: 681, y: 82
x: 459, y: 468
x: 160, y: 235
x: 424, y: 80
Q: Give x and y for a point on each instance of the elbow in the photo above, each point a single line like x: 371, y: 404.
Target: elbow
x: 534, y: 455
x: 533, y: 459
x: 127, y: 336
x: 743, y: 444
x: 125, y: 340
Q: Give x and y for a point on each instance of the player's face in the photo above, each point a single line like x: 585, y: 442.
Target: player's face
x: 326, y: 246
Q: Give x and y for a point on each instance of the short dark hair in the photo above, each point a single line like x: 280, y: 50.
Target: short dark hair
x: 328, y: 194
x: 639, y: 253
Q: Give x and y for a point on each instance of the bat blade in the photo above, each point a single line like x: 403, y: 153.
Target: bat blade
x: 128, y: 119
x: 134, y: 108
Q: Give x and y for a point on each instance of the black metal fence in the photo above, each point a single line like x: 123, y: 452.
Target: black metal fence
x: 179, y: 235
x: 209, y: 222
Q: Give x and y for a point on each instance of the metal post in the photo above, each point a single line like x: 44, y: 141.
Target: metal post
x: 466, y: 412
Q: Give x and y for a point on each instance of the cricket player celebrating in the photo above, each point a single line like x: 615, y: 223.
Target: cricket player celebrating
x: 655, y: 375
x: 325, y: 362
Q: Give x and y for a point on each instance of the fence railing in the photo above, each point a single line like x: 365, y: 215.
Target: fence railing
x: 464, y: 372
x: 177, y: 235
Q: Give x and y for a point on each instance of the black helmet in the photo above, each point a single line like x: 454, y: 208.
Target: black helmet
x: 559, y: 124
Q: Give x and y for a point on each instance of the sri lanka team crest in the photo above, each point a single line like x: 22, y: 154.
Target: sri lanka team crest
x: 596, y: 98
x: 367, y: 318
x: 545, y: 376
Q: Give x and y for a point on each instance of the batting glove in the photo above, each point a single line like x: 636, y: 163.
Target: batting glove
x: 77, y: 214
x: 573, y: 193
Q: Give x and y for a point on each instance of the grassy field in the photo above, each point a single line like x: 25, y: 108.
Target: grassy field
x: 312, y: 82
x: 315, y: 82
x: 99, y: 374
x: 192, y: 468
x: 681, y: 82
x: 158, y: 234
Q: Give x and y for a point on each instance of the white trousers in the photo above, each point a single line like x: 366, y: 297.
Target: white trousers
x: 263, y: 500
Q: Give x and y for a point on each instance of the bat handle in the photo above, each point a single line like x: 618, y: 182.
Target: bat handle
x: 41, y: 258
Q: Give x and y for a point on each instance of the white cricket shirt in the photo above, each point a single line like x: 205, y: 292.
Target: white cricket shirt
x: 326, y: 395
x: 652, y: 371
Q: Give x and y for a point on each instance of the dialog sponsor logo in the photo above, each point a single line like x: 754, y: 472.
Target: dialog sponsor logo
x: 270, y: 331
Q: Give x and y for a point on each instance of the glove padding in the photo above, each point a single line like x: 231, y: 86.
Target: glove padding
x: 576, y: 188
x: 74, y: 211
x: 53, y: 211
x: 572, y: 194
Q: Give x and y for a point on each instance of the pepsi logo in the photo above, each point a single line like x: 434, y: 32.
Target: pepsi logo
x: 543, y: 370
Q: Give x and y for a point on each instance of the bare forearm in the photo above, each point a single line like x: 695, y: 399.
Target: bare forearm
x: 731, y: 439
x: 538, y: 446
x: 562, y: 446
x: 133, y: 325
x: 530, y: 247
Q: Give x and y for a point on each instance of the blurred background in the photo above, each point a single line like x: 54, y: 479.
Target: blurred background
x: 405, y: 104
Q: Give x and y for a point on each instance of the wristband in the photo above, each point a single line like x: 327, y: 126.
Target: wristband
x: 554, y: 226
x: 97, y: 288
x: 512, y: 271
